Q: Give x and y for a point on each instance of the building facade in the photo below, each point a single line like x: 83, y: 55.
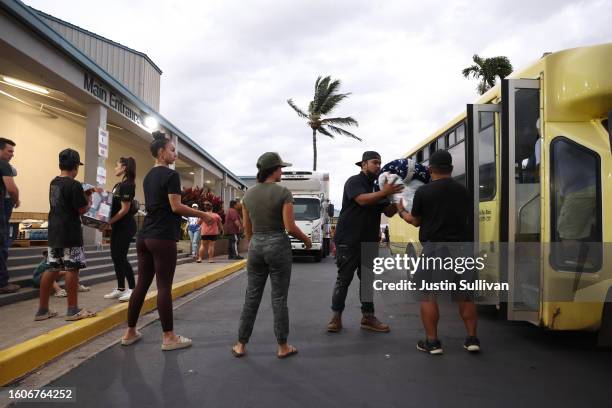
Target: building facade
x: 62, y: 86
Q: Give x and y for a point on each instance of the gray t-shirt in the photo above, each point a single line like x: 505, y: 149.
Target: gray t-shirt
x: 265, y: 201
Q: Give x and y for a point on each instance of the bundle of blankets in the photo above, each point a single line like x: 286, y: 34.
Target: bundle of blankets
x: 405, y: 172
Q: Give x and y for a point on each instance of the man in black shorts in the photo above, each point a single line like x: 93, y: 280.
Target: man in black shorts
x: 441, y: 209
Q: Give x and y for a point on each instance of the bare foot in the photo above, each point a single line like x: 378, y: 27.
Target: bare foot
x: 130, y: 334
x: 239, y: 349
x: 286, y: 350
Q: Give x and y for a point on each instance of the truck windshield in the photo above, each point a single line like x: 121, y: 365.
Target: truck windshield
x: 306, y: 209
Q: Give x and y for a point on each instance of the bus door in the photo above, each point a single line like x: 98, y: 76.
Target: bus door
x: 481, y: 181
x: 521, y: 195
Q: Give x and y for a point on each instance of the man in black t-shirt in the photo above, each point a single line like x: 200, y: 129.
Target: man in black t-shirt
x: 7, y: 187
x: 67, y: 202
x: 359, y: 222
x: 441, y: 210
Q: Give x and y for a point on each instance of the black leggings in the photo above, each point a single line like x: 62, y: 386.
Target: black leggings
x: 156, y: 258
x: 119, y: 246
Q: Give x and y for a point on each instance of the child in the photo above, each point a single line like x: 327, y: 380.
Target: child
x: 407, y: 172
x: 42, y: 266
x: 65, y: 253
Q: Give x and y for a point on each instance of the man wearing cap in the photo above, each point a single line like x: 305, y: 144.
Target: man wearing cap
x: 67, y: 202
x: 359, y: 223
x: 441, y: 210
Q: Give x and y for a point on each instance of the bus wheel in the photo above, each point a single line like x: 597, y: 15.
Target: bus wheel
x: 604, y: 339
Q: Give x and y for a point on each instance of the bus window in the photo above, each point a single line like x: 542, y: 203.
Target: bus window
x: 433, y: 147
x: 486, y: 155
x: 450, y: 139
x: 575, y: 207
x: 458, y: 154
x: 419, y: 156
x: 460, y: 131
x: 425, y: 153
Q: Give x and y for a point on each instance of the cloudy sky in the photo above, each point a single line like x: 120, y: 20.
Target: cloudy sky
x: 229, y: 66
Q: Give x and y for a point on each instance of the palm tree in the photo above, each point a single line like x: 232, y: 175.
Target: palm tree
x: 326, y: 98
x: 487, y: 70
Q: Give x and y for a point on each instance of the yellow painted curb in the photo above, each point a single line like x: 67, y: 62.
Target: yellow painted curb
x: 19, y: 360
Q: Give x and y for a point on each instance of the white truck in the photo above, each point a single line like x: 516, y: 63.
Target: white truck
x: 313, y: 211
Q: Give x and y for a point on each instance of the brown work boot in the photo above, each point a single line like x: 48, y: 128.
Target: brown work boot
x: 370, y: 322
x: 9, y: 288
x: 335, y: 325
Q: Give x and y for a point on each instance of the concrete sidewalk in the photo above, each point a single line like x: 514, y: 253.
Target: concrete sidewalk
x: 26, y: 337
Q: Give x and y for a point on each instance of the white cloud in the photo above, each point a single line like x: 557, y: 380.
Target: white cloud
x: 229, y: 66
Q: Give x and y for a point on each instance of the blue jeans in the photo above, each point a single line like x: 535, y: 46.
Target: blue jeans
x: 194, y: 236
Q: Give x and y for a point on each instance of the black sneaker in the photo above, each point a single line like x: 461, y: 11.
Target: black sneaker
x: 472, y: 344
x: 431, y: 347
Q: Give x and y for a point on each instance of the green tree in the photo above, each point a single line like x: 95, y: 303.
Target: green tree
x: 487, y: 70
x: 326, y: 99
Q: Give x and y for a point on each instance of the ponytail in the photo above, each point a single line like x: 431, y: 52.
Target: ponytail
x: 159, y: 142
x: 130, y: 169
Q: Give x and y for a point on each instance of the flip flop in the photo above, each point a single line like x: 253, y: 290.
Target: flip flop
x: 83, y: 314
x: 289, y: 354
x: 131, y: 341
x: 45, y: 316
x: 183, y: 342
x: 237, y: 354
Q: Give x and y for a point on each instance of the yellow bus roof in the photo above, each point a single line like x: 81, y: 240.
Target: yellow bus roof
x: 577, y: 87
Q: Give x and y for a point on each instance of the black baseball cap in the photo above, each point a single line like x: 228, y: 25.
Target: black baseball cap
x: 369, y: 155
x: 70, y: 157
x: 441, y: 159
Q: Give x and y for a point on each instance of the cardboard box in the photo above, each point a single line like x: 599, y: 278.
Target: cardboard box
x: 99, y: 213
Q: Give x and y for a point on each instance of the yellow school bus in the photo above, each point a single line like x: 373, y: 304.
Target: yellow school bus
x: 535, y: 154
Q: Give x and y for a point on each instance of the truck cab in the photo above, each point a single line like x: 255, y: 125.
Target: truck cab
x: 312, y: 210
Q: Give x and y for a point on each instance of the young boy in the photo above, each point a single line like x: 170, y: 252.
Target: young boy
x: 67, y: 203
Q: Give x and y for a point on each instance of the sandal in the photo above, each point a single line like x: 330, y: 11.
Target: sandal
x: 130, y: 341
x: 183, y: 342
x: 290, y: 353
x: 237, y: 354
x: 45, y: 316
x: 83, y: 314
